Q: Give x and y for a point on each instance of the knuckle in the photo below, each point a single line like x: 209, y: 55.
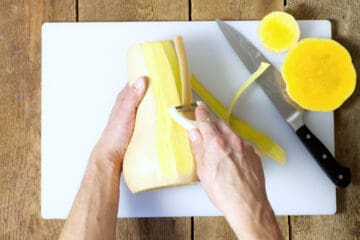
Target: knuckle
x: 218, y: 141
x: 201, y: 111
x: 129, y: 100
x: 220, y: 121
x: 223, y: 123
x: 238, y: 142
x: 249, y: 148
x: 125, y: 99
x: 131, y: 94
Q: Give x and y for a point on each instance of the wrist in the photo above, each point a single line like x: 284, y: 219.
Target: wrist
x: 104, y: 157
x: 257, y: 222
x: 106, y: 154
x: 101, y: 165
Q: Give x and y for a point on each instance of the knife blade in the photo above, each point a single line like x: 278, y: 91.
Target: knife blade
x: 273, y: 86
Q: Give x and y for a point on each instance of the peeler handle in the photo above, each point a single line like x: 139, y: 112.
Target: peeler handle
x: 180, y: 119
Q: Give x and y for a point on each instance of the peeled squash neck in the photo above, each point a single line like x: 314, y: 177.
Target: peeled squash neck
x: 159, y: 154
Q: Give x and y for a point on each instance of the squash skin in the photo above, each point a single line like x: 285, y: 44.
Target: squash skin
x: 278, y: 31
x: 319, y: 74
x: 141, y: 161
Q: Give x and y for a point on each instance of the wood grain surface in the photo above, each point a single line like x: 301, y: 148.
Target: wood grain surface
x: 135, y: 10
x: 99, y: 10
x: 218, y: 228
x: 233, y: 9
x: 345, y: 19
x: 20, y: 24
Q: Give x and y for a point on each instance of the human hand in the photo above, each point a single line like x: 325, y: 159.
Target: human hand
x: 116, y: 136
x: 232, y: 176
x: 94, y: 211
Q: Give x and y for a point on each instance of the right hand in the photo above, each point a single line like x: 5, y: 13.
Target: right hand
x: 232, y: 176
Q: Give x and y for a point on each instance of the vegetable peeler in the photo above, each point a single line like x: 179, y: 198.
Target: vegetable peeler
x: 186, y: 123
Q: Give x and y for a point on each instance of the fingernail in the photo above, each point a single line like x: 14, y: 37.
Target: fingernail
x: 193, y: 136
x: 203, y: 108
x: 139, y: 84
x: 200, y: 103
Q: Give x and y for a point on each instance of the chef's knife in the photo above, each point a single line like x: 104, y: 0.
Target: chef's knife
x: 274, y: 87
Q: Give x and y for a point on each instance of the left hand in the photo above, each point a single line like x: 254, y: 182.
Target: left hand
x: 94, y: 212
x: 114, y: 140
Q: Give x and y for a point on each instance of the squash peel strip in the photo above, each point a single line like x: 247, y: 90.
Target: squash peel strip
x: 247, y: 83
x: 265, y: 145
x: 186, y: 97
x: 186, y: 94
x: 172, y: 144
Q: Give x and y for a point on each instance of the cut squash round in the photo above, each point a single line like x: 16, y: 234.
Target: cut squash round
x: 278, y: 31
x: 319, y: 74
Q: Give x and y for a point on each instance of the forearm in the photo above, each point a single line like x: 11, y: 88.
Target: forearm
x: 260, y: 224
x: 94, y: 212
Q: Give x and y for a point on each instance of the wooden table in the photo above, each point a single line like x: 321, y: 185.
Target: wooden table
x: 20, y: 135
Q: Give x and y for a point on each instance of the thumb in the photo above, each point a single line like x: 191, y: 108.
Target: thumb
x: 128, y: 100
x: 122, y: 117
x: 133, y: 94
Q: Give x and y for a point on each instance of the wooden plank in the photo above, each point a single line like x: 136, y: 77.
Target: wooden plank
x: 140, y: 10
x: 154, y: 228
x: 233, y: 9
x: 344, y: 16
x: 207, y: 228
x: 99, y: 10
x: 20, y: 23
x: 218, y: 228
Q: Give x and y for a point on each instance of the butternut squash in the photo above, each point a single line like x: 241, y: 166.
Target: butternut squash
x: 159, y: 154
x: 319, y: 74
x: 278, y: 31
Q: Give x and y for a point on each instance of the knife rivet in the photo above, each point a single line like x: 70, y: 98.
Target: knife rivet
x: 340, y: 176
x: 324, y: 156
x: 308, y: 136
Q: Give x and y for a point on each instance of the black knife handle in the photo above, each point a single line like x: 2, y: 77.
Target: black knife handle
x: 339, y: 175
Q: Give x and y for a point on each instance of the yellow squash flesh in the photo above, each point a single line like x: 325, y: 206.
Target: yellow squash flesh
x: 247, y: 83
x: 172, y: 141
x: 278, y: 31
x: 319, y: 74
x: 265, y: 145
x: 159, y: 154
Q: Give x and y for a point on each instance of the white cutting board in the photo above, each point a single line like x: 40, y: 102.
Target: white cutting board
x: 83, y: 68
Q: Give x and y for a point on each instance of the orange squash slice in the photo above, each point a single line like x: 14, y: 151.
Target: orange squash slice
x: 319, y: 74
x: 278, y: 31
